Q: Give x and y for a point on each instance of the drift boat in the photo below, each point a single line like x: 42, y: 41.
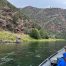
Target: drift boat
x: 52, y: 60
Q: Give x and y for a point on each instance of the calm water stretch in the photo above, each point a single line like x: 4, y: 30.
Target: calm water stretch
x: 27, y: 54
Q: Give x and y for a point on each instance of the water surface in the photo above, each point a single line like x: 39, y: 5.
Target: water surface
x: 27, y: 54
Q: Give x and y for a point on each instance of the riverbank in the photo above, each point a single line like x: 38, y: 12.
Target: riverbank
x: 8, y: 36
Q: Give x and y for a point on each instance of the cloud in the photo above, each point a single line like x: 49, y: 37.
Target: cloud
x: 39, y: 3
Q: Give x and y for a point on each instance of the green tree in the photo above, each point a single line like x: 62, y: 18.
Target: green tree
x: 44, y: 34
x: 35, y: 33
x: 35, y: 25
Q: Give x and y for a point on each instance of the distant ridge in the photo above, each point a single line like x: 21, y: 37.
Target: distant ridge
x: 51, y: 19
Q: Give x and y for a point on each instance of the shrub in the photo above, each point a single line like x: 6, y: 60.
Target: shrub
x: 35, y: 33
x: 15, y: 18
x: 44, y: 34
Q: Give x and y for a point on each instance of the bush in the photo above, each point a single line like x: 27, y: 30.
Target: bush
x: 35, y: 34
x: 15, y: 18
x: 44, y: 34
x: 35, y: 25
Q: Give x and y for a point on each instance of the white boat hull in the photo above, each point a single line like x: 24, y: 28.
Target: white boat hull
x: 53, y: 58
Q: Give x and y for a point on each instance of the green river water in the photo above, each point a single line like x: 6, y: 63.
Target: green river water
x: 27, y: 54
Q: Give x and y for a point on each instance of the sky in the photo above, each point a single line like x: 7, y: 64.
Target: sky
x: 39, y: 3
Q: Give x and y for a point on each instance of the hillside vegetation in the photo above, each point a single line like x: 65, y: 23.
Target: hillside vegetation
x: 12, y: 19
x: 37, y: 22
x: 9, y: 36
x: 51, y: 19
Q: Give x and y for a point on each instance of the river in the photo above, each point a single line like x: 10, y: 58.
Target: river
x: 27, y: 54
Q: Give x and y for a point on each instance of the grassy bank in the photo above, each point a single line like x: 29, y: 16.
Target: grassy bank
x: 8, y: 36
x: 48, y: 40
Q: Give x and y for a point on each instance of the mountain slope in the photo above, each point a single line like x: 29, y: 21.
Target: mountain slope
x: 51, y: 19
x: 23, y: 20
x: 12, y: 19
x: 5, y: 3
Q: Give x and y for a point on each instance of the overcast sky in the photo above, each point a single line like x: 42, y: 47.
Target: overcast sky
x: 39, y: 3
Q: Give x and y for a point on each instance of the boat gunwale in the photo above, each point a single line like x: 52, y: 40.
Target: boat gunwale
x: 50, y: 57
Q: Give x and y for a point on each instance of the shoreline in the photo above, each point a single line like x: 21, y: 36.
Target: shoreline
x: 47, y: 40
x: 8, y: 36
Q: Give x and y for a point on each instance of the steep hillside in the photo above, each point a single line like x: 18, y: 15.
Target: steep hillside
x: 51, y: 19
x: 30, y: 11
x: 23, y: 20
x: 5, y: 3
x: 12, y: 19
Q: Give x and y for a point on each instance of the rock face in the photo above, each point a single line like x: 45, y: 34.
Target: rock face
x: 11, y: 20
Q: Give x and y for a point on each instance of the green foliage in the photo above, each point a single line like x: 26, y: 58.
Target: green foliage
x: 21, y: 14
x: 5, y: 3
x: 15, y: 18
x: 48, y: 19
x: 35, y: 18
x: 11, y: 6
x: 9, y: 27
x: 2, y: 3
x: 35, y: 34
x: 8, y: 36
x: 44, y: 34
x: 35, y: 25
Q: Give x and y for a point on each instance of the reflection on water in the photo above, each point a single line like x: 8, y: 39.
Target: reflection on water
x: 27, y: 54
